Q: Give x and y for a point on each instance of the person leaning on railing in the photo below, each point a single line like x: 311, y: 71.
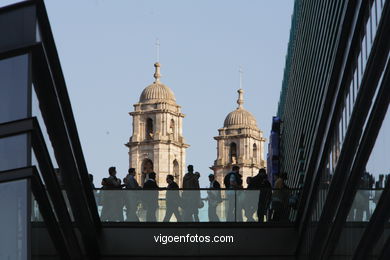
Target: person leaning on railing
x: 112, y: 201
x: 264, y: 196
x: 131, y: 198
x: 233, y: 181
x: 251, y: 198
x: 191, y: 201
x: 214, y: 198
x: 150, y: 198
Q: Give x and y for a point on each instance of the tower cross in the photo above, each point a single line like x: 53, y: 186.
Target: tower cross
x: 158, y: 49
x: 240, y: 72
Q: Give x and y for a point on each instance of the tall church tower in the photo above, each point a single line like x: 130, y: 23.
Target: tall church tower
x: 157, y: 143
x: 240, y: 142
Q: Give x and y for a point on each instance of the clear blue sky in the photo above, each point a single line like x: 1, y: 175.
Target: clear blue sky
x: 107, y: 51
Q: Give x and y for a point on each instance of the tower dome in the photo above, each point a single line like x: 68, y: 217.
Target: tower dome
x: 239, y: 142
x: 157, y: 91
x: 157, y: 143
x: 240, y: 117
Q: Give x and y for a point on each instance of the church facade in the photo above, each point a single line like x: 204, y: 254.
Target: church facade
x: 239, y: 142
x: 157, y: 143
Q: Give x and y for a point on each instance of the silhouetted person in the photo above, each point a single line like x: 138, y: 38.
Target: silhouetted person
x: 151, y: 197
x: 90, y: 176
x: 280, y: 199
x: 191, y: 197
x: 112, y: 200
x: 97, y: 194
x: 254, y: 183
x: 200, y: 204
x: 214, y: 198
x: 130, y: 181
x: 250, y: 198
x: 172, y: 200
x: 264, y: 196
x: 131, y: 197
x: 112, y: 182
x: 233, y: 181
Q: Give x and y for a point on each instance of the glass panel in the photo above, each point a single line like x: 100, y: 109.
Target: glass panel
x: 14, y: 152
x: 217, y: 202
x: 364, y: 52
x: 341, y: 136
x: 359, y: 68
x: 14, y: 220
x: 14, y: 105
x: 370, y: 32
x: 352, y: 91
x: 35, y: 213
x: 378, y: 9
x: 364, y: 203
x: 247, y: 208
x: 340, y: 129
x: 379, y: 165
x: 374, y: 21
x: 369, y: 192
x: 206, y: 205
x: 14, y: 91
x: 356, y: 83
x: 345, y: 116
x: 22, y: 29
x: 369, y: 36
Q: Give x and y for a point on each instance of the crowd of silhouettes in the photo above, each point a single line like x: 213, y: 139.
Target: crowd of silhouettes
x: 269, y: 202
x: 258, y: 197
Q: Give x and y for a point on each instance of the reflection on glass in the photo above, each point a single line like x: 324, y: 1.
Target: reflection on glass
x: 363, y: 205
x: 14, y: 105
x: 373, y: 179
x: 14, y: 90
x: 14, y: 152
x: 13, y: 220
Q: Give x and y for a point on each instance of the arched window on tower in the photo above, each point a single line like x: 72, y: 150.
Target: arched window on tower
x: 233, y: 153
x: 172, y: 127
x: 149, y: 129
x: 254, y: 154
x: 146, y: 168
x: 176, y: 169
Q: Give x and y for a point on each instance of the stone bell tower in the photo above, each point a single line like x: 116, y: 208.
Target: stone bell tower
x: 240, y: 142
x: 157, y: 143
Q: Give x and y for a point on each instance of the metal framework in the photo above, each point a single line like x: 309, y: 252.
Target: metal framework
x: 36, y: 186
x: 57, y: 114
x: 372, y: 75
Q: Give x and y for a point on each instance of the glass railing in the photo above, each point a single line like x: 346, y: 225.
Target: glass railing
x: 36, y: 214
x: 204, y: 205
x: 364, y: 204
x: 210, y: 205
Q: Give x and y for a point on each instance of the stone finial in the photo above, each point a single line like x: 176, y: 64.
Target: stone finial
x: 240, y: 100
x: 157, y: 74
